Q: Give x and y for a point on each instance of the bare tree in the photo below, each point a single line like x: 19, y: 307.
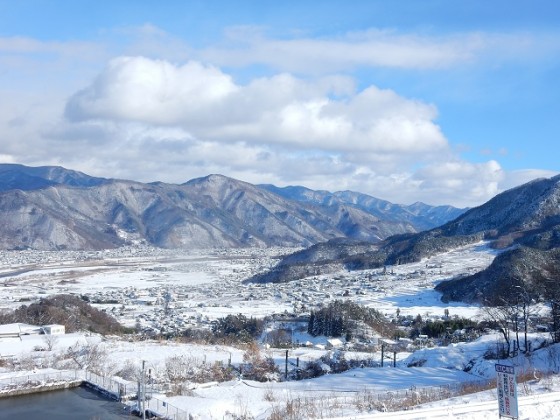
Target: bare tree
x: 50, y: 341
x: 501, y: 317
x: 91, y: 356
x: 524, y: 311
x: 551, y: 294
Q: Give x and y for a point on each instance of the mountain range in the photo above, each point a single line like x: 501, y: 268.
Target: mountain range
x: 53, y: 208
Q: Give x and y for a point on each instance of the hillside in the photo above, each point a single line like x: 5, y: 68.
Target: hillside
x: 520, y: 273
x: 527, y: 215
x: 13, y: 176
x: 419, y: 215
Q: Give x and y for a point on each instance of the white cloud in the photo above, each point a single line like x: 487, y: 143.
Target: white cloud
x: 372, y: 48
x: 518, y: 177
x: 467, y: 182
x: 278, y: 110
x: 26, y: 45
x: 148, y: 153
x: 149, y: 120
x: 152, y: 91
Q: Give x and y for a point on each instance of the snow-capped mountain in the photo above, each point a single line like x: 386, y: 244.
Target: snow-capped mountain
x: 14, y: 176
x: 419, y: 215
x: 54, y: 208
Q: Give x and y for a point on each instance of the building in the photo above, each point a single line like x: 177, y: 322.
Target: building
x: 54, y: 329
x: 334, y: 343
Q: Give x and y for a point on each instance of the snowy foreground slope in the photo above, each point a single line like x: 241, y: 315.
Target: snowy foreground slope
x: 204, y: 287
x: 353, y: 394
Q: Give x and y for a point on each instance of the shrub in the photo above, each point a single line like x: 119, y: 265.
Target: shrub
x: 238, y: 327
x: 258, y: 367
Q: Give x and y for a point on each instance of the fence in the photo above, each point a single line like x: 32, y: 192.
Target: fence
x: 38, y: 379
x: 126, y: 389
x: 163, y: 408
x: 118, y: 389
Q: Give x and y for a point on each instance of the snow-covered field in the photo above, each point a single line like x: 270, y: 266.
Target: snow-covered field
x: 198, y: 287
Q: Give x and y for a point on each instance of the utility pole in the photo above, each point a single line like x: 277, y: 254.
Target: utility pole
x: 143, y: 390
x: 286, y: 374
x: 382, y: 353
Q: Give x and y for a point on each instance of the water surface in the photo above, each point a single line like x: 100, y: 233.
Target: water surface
x: 68, y: 404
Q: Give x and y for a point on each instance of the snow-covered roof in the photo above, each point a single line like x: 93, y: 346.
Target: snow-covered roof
x: 335, y: 342
x: 18, y: 328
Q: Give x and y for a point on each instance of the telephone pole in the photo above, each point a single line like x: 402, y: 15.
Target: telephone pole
x: 143, y: 390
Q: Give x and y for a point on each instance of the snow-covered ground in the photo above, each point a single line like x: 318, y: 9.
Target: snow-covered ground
x: 341, y: 395
x: 135, y: 284
x: 208, y: 285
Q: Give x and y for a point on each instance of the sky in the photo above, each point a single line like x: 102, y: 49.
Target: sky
x: 439, y: 101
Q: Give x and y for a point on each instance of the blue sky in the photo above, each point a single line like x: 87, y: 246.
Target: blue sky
x: 445, y: 102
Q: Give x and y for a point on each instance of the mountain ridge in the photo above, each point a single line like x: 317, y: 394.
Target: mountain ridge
x: 54, y: 208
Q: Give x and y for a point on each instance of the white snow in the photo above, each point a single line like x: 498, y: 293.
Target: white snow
x: 206, y: 285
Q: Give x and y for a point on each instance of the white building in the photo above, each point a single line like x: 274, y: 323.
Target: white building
x: 334, y: 343
x: 54, y: 329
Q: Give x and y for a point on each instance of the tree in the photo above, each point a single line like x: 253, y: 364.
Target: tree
x: 340, y: 318
x: 238, y: 327
x: 551, y: 295
x: 258, y: 367
x: 89, y: 355
x: 524, y: 311
x: 50, y: 341
x: 500, y: 317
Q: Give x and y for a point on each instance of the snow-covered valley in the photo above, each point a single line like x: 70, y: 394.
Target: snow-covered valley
x: 159, y: 291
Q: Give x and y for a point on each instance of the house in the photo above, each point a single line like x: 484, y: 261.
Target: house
x: 54, y: 329
x: 334, y: 343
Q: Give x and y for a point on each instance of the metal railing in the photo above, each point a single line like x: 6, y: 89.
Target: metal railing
x: 163, y: 408
x: 127, y: 389
x: 120, y: 389
x: 39, y: 379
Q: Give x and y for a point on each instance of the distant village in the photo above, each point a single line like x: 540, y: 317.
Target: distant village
x: 154, y: 310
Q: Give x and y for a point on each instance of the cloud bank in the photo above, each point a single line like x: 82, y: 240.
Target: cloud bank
x: 277, y: 111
